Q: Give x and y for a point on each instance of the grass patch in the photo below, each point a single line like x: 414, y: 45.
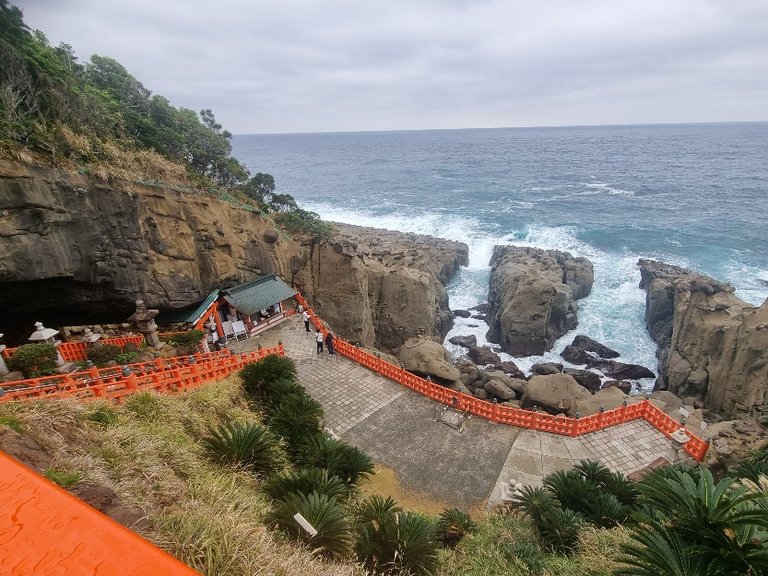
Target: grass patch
x: 12, y: 422
x: 64, y: 478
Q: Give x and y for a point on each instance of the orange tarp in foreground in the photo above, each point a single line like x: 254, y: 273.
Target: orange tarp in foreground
x: 45, y: 530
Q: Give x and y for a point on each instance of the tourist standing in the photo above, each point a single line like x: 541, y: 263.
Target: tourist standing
x: 329, y: 343
x: 319, y: 340
x: 305, y: 316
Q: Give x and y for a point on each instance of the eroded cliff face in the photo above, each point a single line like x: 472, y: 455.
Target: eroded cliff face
x: 532, y: 297
x: 713, y: 346
x: 71, y: 242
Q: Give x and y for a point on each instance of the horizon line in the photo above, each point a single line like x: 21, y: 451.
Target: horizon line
x: 545, y: 126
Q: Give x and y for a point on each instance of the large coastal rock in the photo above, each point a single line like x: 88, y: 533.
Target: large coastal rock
x: 428, y: 358
x: 532, y: 297
x: 712, y: 345
x: 74, y: 248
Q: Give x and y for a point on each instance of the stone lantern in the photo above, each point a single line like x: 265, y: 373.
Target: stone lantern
x: 3, y: 367
x: 89, y: 336
x: 145, y: 320
x: 43, y: 335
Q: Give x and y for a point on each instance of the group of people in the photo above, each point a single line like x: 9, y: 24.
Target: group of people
x: 328, y: 340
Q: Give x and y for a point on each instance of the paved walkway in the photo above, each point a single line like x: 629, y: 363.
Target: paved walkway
x: 398, y: 428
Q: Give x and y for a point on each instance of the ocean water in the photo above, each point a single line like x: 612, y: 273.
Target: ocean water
x: 694, y: 195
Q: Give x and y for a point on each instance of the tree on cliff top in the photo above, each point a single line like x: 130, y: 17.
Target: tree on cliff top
x: 74, y: 114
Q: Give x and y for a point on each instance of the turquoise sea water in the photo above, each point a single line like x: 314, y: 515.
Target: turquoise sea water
x: 695, y: 195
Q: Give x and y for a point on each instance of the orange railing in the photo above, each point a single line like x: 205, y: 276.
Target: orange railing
x: 510, y: 415
x: 75, y: 351
x: 166, y: 375
x: 46, y: 530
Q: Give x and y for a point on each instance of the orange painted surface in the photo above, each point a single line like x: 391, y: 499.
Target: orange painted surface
x: 695, y: 447
x: 44, y: 530
x: 162, y: 375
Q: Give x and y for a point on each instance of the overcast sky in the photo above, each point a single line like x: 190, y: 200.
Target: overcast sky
x: 339, y: 65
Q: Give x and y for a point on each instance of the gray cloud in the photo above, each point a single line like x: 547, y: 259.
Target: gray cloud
x: 297, y: 65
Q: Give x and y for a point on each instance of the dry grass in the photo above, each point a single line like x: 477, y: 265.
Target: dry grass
x: 206, y: 515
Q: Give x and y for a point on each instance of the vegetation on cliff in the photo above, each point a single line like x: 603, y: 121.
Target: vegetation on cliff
x: 97, y: 118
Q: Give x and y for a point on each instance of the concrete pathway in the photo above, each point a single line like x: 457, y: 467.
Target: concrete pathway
x: 400, y: 429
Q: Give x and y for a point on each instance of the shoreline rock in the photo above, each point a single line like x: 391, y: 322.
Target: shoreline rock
x: 532, y: 297
x: 712, y: 346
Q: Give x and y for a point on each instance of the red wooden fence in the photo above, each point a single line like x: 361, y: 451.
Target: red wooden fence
x: 167, y: 375
x: 75, y: 351
x: 695, y: 446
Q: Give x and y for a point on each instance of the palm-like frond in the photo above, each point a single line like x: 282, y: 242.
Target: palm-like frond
x: 593, y: 471
x: 452, y: 525
x: 402, y: 543
x: 304, y: 481
x: 560, y: 529
x: 296, y: 418
x: 324, y: 514
x: 536, y: 502
x: 249, y: 445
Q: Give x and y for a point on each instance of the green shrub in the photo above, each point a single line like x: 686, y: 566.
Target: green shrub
x: 392, y: 541
x: 299, y: 221
x: 126, y: 357
x: 257, y: 376
x: 324, y: 514
x: 249, y: 445
x: 304, y: 481
x: 340, y: 459
x: 100, y: 353
x: 452, y: 525
x: 537, y: 502
x: 296, y: 419
x: 34, y: 360
x: 692, y: 525
x: 189, y: 339
x: 559, y: 530
x: 277, y: 391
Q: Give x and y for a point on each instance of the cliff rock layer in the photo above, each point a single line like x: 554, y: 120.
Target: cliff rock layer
x: 74, y: 244
x: 712, y: 345
x: 532, y: 297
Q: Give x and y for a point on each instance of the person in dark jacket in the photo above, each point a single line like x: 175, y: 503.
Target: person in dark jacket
x: 329, y: 343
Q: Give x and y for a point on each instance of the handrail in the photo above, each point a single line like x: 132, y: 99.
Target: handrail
x: 181, y: 375
x: 510, y: 415
x: 46, y: 530
x: 75, y: 351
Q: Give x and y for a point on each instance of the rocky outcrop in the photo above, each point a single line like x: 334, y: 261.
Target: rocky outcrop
x: 73, y: 247
x: 712, y: 345
x: 427, y: 358
x: 532, y: 297
x: 554, y: 393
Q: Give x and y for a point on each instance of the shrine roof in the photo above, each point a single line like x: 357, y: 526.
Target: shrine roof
x: 261, y: 293
x: 190, y: 315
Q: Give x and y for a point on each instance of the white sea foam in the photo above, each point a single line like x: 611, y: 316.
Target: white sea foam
x: 603, y: 187
x: 612, y: 314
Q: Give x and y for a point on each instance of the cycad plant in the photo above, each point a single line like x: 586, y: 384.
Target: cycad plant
x: 256, y: 376
x: 559, y: 530
x: 296, y: 418
x: 304, y: 481
x: 330, y: 520
x: 392, y: 541
x: 537, y: 502
x: 340, y: 459
x: 452, y: 525
x: 252, y: 446
x: 699, y: 526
